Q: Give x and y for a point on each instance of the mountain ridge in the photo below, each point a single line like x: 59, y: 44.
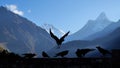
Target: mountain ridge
x: 22, y: 35
x: 90, y: 28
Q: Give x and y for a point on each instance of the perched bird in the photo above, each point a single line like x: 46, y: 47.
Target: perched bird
x: 58, y: 41
x: 44, y: 54
x: 29, y: 55
x: 103, y: 51
x: 83, y: 52
x: 13, y: 55
x: 62, y: 54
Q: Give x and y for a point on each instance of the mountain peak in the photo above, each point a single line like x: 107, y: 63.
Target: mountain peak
x: 102, y: 16
x: 55, y: 30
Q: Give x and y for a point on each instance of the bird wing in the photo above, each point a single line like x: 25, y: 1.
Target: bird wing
x: 66, y: 51
x: 53, y: 36
x: 62, y: 38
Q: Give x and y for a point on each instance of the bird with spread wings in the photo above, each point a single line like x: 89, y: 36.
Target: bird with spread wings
x: 58, y: 41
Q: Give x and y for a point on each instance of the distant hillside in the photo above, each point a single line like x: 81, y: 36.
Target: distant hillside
x: 110, y: 28
x: 21, y: 35
x: 109, y: 42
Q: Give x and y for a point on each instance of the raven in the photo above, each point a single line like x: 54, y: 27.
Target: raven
x: 83, y: 52
x: 44, y: 54
x: 29, y: 55
x: 103, y: 51
x: 13, y: 55
x: 58, y: 41
x: 62, y: 54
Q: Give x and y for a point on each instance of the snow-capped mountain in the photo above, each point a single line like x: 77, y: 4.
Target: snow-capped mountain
x: 56, y: 31
x: 90, y: 28
x: 21, y: 35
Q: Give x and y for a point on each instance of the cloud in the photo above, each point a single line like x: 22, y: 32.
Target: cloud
x: 14, y: 9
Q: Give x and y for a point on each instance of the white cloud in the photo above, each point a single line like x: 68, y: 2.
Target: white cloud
x: 14, y: 9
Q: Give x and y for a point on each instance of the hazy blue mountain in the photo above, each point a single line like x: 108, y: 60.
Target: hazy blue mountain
x: 112, y: 41
x: 58, y: 32
x: 104, y: 32
x: 90, y: 28
x: 21, y: 35
x: 109, y: 42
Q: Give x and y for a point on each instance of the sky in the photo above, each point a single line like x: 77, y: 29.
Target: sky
x: 64, y: 14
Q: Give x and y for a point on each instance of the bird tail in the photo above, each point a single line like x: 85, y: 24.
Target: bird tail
x: 93, y: 49
x: 58, y: 47
x: 48, y: 56
x: 110, y: 53
x: 55, y: 56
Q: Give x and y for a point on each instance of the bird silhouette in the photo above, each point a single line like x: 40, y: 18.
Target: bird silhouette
x: 103, y: 51
x: 62, y: 54
x: 29, y: 55
x: 58, y: 41
x: 44, y: 54
x: 13, y: 55
x: 83, y: 52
